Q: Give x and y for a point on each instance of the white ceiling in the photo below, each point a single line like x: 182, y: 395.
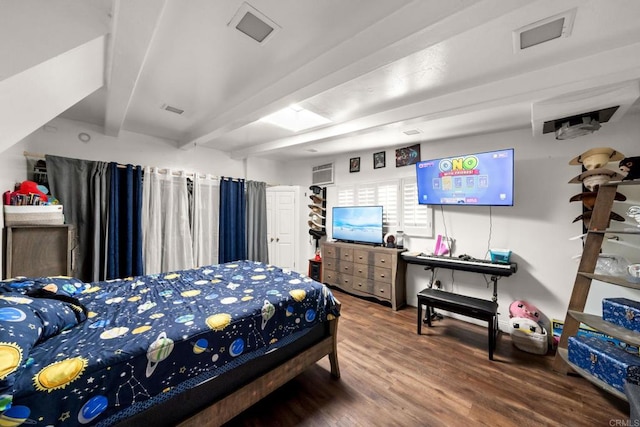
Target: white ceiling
x: 376, y: 68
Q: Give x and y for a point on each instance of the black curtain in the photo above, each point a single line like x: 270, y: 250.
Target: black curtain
x: 81, y: 186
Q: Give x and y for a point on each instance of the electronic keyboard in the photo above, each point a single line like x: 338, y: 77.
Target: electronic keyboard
x: 465, y: 264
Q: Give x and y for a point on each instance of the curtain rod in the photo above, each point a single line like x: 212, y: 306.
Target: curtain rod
x: 41, y: 156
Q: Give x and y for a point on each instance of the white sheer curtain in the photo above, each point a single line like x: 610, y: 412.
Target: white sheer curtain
x: 205, y: 213
x: 166, y: 235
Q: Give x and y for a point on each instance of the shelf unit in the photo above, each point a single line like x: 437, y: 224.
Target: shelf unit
x: 575, y: 315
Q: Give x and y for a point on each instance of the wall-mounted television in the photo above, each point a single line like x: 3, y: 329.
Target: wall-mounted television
x: 357, y: 224
x: 481, y: 179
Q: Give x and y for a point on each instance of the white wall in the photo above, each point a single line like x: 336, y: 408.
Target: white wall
x: 537, y: 228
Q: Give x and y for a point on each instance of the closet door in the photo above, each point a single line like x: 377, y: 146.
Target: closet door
x: 281, y: 226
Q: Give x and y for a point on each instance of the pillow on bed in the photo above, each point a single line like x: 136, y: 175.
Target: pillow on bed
x: 60, y: 285
x: 20, y: 330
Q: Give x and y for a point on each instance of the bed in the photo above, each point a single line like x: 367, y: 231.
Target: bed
x: 192, y: 347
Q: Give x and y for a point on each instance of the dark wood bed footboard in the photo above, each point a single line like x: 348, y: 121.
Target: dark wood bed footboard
x: 228, y: 407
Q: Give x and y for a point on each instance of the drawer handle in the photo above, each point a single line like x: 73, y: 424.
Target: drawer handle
x: 382, y: 291
x: 382, y: 261
x: 360, y: 271
x: 382, y: 276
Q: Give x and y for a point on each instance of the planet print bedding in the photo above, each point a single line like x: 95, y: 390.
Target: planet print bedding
x: 73, y: 353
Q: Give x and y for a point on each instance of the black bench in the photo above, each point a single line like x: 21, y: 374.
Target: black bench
x: 461, y: 304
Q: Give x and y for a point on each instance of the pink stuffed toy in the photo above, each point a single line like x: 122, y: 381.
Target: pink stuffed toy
x: 524, y: 309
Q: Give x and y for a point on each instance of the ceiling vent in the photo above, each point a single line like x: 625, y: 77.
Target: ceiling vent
x: 322, y: 174
x: 172, y: 109
x: 580, y: 113
x: 251, y: 22
x: 543, y: 31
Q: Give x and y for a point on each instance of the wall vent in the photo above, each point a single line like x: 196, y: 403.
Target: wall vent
x: 322, y: 174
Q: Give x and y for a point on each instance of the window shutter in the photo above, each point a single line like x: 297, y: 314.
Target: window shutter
x: 388, y: 197
x: 417, y: 220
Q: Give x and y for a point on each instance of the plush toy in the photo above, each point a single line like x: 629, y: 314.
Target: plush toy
x: 30, y: 187
x: 630, y: 167
x: 525, y: 310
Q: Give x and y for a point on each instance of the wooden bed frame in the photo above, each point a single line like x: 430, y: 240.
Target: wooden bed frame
x: 233, y: 404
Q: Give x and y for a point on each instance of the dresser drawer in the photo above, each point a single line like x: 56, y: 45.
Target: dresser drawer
x: 345, y: 281
x: 382, y: 260
x: 382, y: 274
x: 330, y: 276
x: 382, y: 290
x: 361, y: 256
x: 345, y: 254
x: 329, y: 251
x: 330, y: 264
x: 363, y: 285
x: 362, y: 270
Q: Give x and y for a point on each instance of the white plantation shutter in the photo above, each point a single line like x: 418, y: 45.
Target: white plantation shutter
x: 417, y: 220
x: 388, y: 197
x: 346, y: 196
x: 400, y: 204
x: 366, y: 195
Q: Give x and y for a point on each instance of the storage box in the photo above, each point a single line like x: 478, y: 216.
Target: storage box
x: 33, y: 215
x: 622, y: 312
x: 585, y: 331
x: 608, y: 363
x: 500, y: 255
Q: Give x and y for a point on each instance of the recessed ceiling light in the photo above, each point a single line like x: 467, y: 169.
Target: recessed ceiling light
x: 295, y: 118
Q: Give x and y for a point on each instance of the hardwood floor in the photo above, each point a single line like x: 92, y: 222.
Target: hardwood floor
x: 393, y: 377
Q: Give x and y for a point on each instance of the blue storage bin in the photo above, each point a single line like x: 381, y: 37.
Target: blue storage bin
x: 622, y: 312
x: 606, y: 362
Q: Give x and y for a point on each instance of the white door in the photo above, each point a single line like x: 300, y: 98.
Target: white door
x: 281, y: 226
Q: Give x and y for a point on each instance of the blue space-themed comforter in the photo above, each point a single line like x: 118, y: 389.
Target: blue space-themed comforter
x: 115, y: 348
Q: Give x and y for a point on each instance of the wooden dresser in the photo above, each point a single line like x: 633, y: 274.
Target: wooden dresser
x: 371, y: 271
x: 38, y: 250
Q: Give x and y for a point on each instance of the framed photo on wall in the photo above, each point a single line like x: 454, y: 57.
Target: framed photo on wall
x: 354, y: 164
x: 379, y: 160
x: 408, y: 155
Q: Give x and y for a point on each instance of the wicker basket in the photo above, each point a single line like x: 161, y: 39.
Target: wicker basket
x: 532, y: 341
x: 33, y: 215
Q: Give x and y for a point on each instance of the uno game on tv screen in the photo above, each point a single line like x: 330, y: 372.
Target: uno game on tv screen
x: 482, y: 179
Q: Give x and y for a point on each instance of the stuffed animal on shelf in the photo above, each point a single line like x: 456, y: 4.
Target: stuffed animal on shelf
x: 630, y: 168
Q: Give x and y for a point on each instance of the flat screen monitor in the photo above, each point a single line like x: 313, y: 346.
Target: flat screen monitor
x: 357, y: 224
x: 481, y: 179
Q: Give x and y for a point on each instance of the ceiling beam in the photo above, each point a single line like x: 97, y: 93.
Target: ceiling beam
x: 604, y: 69
x: 134, y: 26
x: 410, y: 29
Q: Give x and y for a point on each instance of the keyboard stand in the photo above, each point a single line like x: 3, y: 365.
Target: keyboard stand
x: 467, y: 306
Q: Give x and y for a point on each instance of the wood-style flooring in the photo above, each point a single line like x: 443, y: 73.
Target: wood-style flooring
x: 393, y: 377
